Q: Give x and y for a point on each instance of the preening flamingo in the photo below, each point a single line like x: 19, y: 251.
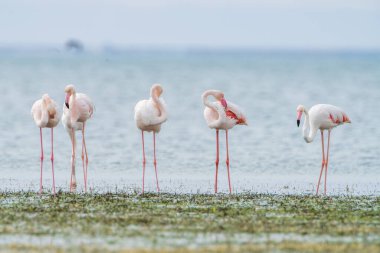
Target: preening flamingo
x: 321, y: 117
x: 221, y: 115
x: 78, y: 108
x: 149, y: 115
x: 45, y: 114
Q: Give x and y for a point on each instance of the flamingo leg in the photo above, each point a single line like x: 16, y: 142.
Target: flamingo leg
x: 144, y: 161
x: 52, y: 159
x: 41, y: 160
x: 73, y: 182
x: 155, y: 161
x: 228, y: 163
x: 217, y: 161
x: 327, y: 160
x: 85, y: 174
x: 82, y: 156
x: 323, y: 161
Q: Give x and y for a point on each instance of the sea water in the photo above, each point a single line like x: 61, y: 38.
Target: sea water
x: 267, y: 156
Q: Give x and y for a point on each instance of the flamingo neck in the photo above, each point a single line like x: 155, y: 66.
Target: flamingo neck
x: 160, y: 106
x: 308, y: 132
x: 72, y: 107
x: 206, y: 102
x: 44, y: 114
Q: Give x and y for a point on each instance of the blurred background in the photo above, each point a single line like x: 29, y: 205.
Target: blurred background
x: 267, y: 57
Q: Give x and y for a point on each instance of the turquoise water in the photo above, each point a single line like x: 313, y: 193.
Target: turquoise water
x: 269, y: 155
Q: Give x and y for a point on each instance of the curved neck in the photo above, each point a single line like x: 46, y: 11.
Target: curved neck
x: 206, y: 102
x: 308, y: 132
x: 72, y: 109
x: 44, y: 115
x: 160, y: 107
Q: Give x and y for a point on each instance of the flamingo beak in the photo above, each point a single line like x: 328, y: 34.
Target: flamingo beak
x: 299, y: 114
x: 224, y: 103
x: 67, y: 100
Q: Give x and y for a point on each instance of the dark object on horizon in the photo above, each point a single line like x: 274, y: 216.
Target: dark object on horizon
x: 73, y: 45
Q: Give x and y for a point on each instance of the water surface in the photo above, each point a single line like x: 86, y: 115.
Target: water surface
x: 269, y: 155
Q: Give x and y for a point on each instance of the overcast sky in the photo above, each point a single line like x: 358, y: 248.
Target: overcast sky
x: 278, y: 24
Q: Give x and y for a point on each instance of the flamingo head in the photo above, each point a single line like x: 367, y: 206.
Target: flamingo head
x: 220, y: 97
x: 69, y: 90
x: 156, y: 90
x: 300, y: 110
x: 46, y: 99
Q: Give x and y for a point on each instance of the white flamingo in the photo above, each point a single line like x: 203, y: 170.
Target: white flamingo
x: 45, y: 114
x: 149, y: 115
x: 78, y: 108
x: 221, y: 115
x: 321, y: 117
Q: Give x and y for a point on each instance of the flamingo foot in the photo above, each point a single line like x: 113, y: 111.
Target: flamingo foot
x: 73, y: 186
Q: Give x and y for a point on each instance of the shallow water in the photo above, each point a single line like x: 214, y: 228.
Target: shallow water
x: 269, y: 155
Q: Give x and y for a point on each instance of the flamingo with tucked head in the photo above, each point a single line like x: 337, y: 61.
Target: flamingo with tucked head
x: 321, y: 117
x: 221, y: 115
x: 77, y: 109
x: 149, y: 115
x: 45, y: 114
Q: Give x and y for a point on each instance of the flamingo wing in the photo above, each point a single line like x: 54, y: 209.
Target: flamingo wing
x: 234, y: 112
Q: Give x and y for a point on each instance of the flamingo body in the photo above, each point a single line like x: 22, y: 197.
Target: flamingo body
x: 219, y: 117
x: 321, y: 117
x: 148, y: 115
x: 45, y: 112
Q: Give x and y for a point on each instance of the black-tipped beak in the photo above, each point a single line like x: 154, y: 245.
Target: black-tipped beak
x: 67, y: 105
x: 298, y: 121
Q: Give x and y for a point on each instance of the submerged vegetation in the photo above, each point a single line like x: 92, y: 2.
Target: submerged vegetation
x: 188, y: 223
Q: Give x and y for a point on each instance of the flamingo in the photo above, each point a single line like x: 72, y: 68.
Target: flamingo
x: 45, y: 114
x: 78, y: 108
x: 322, y: 117
x: 149, y: 115
x: 221, y: 115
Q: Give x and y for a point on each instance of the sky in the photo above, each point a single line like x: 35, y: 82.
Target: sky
x: 262, y: 24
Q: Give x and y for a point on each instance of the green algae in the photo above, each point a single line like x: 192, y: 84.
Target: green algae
x: 187, y: 223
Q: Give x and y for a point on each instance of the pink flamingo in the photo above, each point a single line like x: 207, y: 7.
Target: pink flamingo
x: 78, y: 108
x: 45, y: 114
x: 322, y: 117
x: 221, y: 115
x: 149, y: 115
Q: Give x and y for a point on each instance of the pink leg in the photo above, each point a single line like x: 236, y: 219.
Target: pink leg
x: 155, y: 161
x: 144, y: 161
x: 327, y: 160
x: 323, y: 160
x: 228, y: 164
x: 85, y: 170
x: 52, y: 159
x: 217, y: 161
x: 72, y: 179
x: 42, y: 160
